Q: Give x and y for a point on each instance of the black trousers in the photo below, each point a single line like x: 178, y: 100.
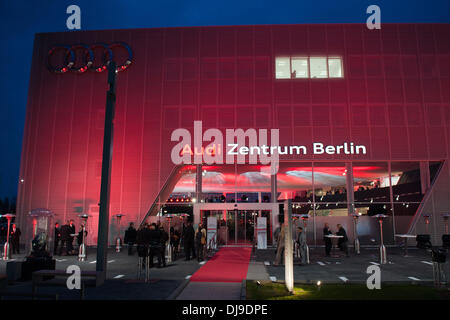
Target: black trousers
x: 155, y: 251
x: 130, y: 248
x: 200, y: 248
x: 15, y: 247
x: 327, y: 246
x: 55, y: 249
x: 343, y: 246
x: 188, y: 248
x: 64, y: 247
x: 162, y: 252
x: 70, y: 245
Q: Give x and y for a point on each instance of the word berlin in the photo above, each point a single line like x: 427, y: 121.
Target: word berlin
x: 236, y: 146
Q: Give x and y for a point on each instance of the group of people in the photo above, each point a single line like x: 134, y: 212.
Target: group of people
x: 301, y: 246
x: 14, y: 237
x: 64, y: 237
x: 342, y: 241
x: 152, y: 240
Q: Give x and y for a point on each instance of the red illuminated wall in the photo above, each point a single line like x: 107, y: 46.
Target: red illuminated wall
x: 394, y: 98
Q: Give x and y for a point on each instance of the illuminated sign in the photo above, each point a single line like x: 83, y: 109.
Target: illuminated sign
x: 237, y: 150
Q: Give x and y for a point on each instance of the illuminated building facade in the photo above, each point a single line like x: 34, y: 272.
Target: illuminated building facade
x: 387, y: 90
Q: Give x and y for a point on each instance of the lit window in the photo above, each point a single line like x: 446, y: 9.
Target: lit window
x: 318, y: 67
x: 308, y: 67
x: 300, y: 68
x: 282, y: 68
x: 335, y: 67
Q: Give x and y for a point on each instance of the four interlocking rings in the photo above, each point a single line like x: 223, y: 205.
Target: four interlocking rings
x: 88, y: 63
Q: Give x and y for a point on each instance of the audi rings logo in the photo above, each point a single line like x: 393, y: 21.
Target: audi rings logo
x: 80, y: 58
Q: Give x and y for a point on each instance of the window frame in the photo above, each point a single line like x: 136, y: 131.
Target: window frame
x: 308, y: 57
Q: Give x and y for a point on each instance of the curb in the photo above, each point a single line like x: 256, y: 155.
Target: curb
x: 312, y: 282
x: 178, y: 290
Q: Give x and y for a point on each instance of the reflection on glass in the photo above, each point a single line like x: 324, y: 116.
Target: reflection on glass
x: 335, y: 67
x: 282, y: 68
x: 406, y: 187
x: 330, y: 179
x: 318, y: 67
x: 300, y: 68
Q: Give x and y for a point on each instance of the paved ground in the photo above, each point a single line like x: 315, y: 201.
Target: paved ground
x: 414, y: 268
x: 211, y: 291
x: 122, y: 280
x: 123, y: 266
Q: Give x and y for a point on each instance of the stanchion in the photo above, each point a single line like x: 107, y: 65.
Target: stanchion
x: 383, y: 257
x: 6, y: 247
x: 355, y: 232
x: 82, y: 252
x: 118, y: 239
x: 305, y: 222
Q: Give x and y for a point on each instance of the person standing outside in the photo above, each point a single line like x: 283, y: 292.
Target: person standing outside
x: 164, y: 237
x: 65, y: 238
x: 15, y: 239
x: 155, y: 244
x: 72, y: 236
x: 130, y: 238
x: 301, y: 241
x: 57, y: 238
x: 188, y: 239
x: 80, y: 236
x: 200, y: 241
x: 343, y: 242
x: 279, y: 258
x: 327, y: 240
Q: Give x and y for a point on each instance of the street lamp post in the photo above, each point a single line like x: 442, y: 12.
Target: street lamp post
x: 103, y: 217
x: 288, y: 253
x: 383, y: 257
x: 6, y: 247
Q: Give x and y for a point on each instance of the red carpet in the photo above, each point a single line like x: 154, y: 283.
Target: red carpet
x: 227, y: 265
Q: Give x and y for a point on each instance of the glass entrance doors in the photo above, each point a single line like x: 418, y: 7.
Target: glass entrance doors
x: 237, y: 227
x: 241, y: 226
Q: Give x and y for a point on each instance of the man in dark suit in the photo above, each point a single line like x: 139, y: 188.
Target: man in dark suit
x: 15, y: 239
x: 143, y: 242
x: 155, y: 245
x: 72, y: 232
x: 328, y: 244
x: 65, y: 239
x: 188, y: 239
x: 130, y: 238
x: 343, y: 242
x: 57, y: 238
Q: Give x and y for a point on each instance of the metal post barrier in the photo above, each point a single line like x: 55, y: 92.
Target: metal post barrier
x: 139, y: 272
x: 147, y: 268
x: 383, y: 256
x: 355, y: 233
x: 168, y: 249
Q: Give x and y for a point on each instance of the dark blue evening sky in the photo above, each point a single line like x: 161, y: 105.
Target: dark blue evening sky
x: 20, y: 20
